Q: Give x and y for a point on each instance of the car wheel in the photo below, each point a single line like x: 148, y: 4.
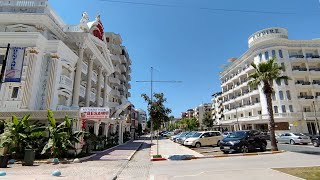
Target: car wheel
x: 263, y: 147
x: 315, y: 144
x: 198, y: 145
x: 225, y: 152
x: 292, y: 142
x: 244, y: 149
x: 218, y: 144
x: 305, y: 143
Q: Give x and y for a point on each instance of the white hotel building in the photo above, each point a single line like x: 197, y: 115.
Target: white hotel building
x: 63, y: 68
x: 296, y: 103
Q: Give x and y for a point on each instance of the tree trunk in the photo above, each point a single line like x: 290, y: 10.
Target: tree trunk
x: 274, y: 146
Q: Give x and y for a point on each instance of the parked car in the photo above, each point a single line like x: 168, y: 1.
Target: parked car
x: 293, y: 138
x: 204, y: 138
x: 174, y: 137
x: 182, y: 138
x: 182, y: 134
x: 316, y: 141
x: 243, y: 141
x: 225, y: 134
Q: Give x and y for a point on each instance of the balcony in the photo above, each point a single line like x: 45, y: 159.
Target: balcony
x: 115, y: 93
x: 114, y: 80
x: 128, y: 77
x: 296, y: 56
x: 123, y: 77
x: 314, y: 69
x: 129, y: 69
x: 316, y: 82
x: 129, y: 94
x: 112, y: 104
x: 84, y: 68
x: 115, y: 58
x: 92, y: 97
x: 311, y: 57
x: 66, y: 82
x: 123, y: 68
x: 94, y: 77
x: 303, y: 83
x: 306, y: 97
x: 299, y: 69
x: 123, y: 59
x: 82, y: 91
x: 63, y: 108
x: 129, y: 86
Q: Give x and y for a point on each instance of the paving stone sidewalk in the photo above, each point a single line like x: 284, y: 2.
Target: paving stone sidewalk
x: 139, y: 166
x: 102, y: 166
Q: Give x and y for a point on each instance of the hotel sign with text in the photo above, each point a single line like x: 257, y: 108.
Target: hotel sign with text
x: 94, y: 113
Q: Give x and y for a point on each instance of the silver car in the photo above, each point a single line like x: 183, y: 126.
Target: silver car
x: 293, y: 138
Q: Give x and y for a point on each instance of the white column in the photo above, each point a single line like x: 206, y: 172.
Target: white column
x: 96, y: 127
x: 120, y: 133
x: 105, y: 91
x: 98, y: 94
x: 53, y: 75
x: 77, y: 80
x: 89, y: 77
x: 31, y: 59
x: 106, y: 129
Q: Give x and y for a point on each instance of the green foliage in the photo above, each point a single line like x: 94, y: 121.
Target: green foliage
x: 264, y: 75
x: 126, y: 136
x: 139, y: 131
x: 19, y: 134
x: 61, y: 136
x: 157, y: 111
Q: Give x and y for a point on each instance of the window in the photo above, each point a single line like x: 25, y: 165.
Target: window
x: 274, y: 96
x: 283, y: 67
x: 283, y: 107
x: 280, y: 54
x: 290, y: 108
x: 250, y: 113
x: 288, y: 95
x: 15, y: 92
x: 278, y: 81
x: 241, y: 115
x: 234, y: 116
x: 281, y: 95
x: 273, y: 53
x: 266, y: 55
x: 286, y: 82
x: 260, y: 57
x: 275, y: 109
x: 1, y: 59
x: 259, y: 112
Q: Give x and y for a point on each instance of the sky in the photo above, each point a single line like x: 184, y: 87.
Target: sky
x: 189, y: 41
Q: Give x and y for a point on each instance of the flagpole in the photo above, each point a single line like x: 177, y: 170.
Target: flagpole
x: 4, y: 65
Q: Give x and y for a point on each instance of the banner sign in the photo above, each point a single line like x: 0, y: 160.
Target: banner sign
x: 14, y: 64
x: 94, y: 113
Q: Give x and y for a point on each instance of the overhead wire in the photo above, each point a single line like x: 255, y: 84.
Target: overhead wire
x: 207, y: 8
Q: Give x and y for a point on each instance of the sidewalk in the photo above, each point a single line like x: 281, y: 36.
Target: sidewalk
x: 168, y: 148
x: 102, y: 166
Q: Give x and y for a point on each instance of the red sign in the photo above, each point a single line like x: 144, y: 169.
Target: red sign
x: 94, y: 113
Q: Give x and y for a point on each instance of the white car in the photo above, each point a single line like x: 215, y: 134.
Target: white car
x: 204, y: 138
x: 293, y: 138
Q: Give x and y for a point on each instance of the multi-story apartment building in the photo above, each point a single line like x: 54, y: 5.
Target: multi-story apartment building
x: 53, y: 65
x: 217, y: 110
x: 199, y: 112
x: 142, y: 118
x: 295, y: 102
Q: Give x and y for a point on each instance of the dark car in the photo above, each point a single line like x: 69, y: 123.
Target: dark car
x: 243, y: 141
x: 315, y: 141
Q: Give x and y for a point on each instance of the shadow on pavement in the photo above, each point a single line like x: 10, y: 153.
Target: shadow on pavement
x: 307, y: 152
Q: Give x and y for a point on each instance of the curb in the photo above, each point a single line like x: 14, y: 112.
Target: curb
x: 115, y: 176
x: 158, y: 159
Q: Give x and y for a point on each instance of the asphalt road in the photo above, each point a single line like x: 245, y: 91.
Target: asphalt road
x: 305, y: 149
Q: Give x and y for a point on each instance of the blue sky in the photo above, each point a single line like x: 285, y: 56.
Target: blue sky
x: 189, y: 44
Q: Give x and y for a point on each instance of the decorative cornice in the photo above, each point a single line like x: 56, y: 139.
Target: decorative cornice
x: 54, y: 56
x: 33, y: 50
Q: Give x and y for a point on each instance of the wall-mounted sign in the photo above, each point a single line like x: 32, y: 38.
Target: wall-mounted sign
x: 14, y: 64
x: 269, y: 31
x: 94, y: 113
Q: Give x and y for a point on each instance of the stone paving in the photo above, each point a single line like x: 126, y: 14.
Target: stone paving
x: 102, y: 166
x: 139, y: 166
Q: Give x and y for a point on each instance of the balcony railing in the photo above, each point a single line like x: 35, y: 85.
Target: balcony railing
x: 84, y: 68
x: 303, y: 82
x: 316, y: 82
x: 66, y: 81
x: 306, y: 97
x: 92, y: 97
x: 312, y: 56
x: 299, y: 69
x: 314, y: 69
x: 94, y: 77
x: 296, y: 56
x: 82, y: 91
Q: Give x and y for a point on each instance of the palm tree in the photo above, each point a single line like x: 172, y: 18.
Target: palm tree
x: 264, y: 75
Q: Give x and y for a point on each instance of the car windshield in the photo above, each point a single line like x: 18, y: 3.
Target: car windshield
x: 298, y: 134
x: 190, y: 134
x: 196, y: 135
x: 237, y: 134
x: 183, y: 134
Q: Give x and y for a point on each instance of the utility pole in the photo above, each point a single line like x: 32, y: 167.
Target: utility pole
x: 151, y: 98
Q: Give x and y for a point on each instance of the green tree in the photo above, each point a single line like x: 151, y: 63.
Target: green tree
x: 189, y: 124
x: 207, y: 119
x: 157, y: 111
x: 264, y: 75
